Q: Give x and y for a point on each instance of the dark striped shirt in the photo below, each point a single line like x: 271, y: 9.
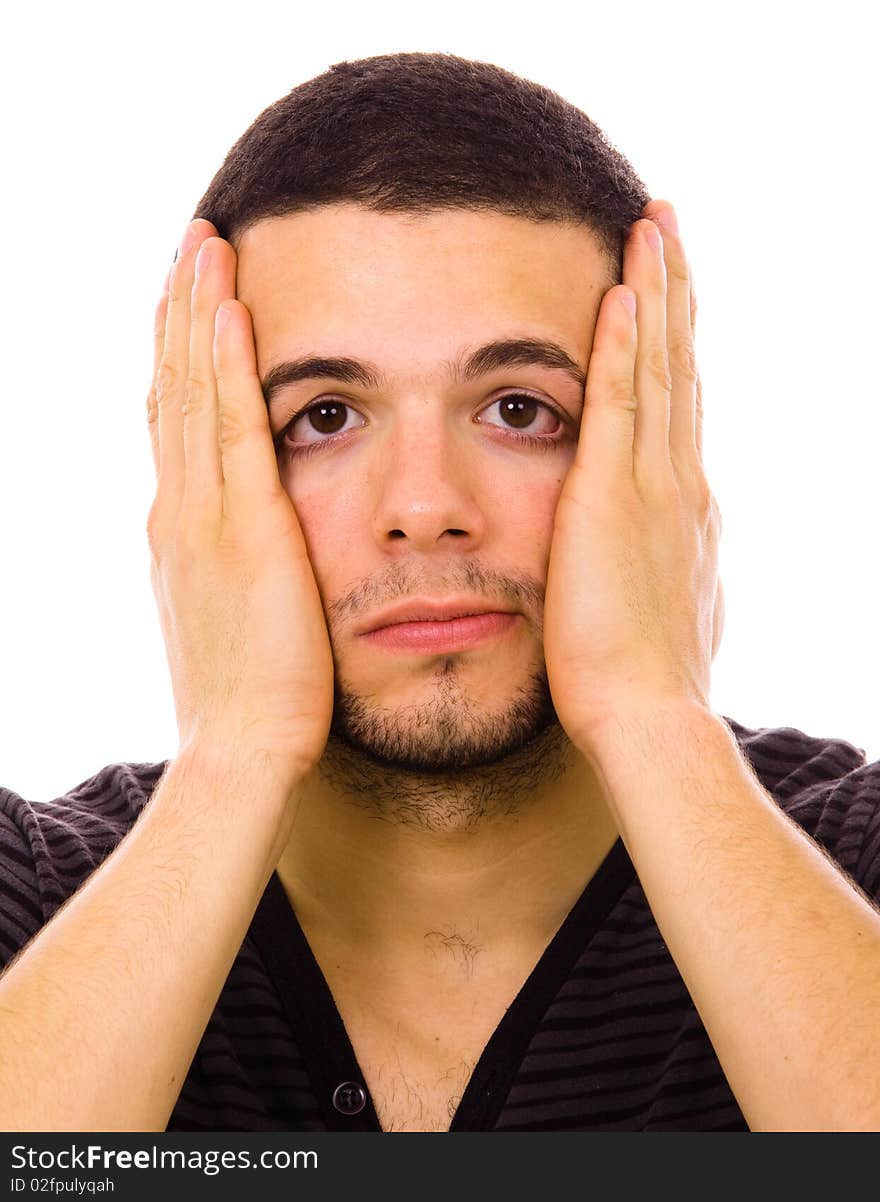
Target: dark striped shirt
x: 602, y: 1036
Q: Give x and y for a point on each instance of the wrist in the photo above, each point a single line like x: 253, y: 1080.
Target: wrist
x: 239, y: 777
x: 238, y: 791
x: 226, y: 759
x: 651, y: 760
x: 663, y: 724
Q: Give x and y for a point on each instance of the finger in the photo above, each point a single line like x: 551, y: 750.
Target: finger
x: 718, y: 619
x: 605, y: 444
x: 698, y: 397
x: 214, y: 281
x: 698, y: 420
x: 645, y: 272
x: 680, y: 342
x: 172, y: 372
x: 158, y: 344
x: 247, y: 454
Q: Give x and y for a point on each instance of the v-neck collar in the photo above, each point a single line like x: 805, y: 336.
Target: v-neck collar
x: 324, y: 1042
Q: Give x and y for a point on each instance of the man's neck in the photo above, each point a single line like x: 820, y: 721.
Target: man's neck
x: 422, y: 870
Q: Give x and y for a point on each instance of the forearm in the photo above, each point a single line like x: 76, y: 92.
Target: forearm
x: 102, y: 1012
x: 777, y: 947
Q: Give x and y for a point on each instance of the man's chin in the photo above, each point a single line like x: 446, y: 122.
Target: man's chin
x: 444, y: 736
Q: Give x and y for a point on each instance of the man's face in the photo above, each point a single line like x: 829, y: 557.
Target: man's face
x: 411, y: 484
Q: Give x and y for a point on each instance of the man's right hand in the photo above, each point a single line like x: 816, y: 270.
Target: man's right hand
x: 241, y: 615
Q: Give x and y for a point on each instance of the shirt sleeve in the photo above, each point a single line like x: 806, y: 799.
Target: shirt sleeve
x: 49, y: 849
x: 21, y: 912
x: 866, y: 870
x: 826, y: 786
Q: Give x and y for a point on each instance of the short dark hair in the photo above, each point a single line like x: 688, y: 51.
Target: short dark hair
x: 412, y: 133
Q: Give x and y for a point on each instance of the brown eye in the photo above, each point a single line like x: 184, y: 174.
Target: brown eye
x: 327, y: 418
x: 518, y: 411
x: 315, y: 427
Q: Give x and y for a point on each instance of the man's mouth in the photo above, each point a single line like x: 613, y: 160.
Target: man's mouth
x: 433, y: 636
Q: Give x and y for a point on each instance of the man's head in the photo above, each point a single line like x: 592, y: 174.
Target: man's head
x: 411, y: 133
x: 448, y: 230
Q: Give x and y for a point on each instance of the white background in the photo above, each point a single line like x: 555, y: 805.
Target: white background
x: 758, y: 122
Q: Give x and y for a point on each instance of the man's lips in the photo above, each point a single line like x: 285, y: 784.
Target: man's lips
x: 436, y: 637
x: 431, y: 609
x: 423, y: 624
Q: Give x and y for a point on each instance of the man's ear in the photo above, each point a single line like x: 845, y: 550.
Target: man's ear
x: 718, y: 619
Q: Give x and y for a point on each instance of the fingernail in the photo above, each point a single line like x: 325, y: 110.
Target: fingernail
x: 628, y: 300
x: 652, y: 236
x: 668, y: 220
x: 203, y: 258
x: 188, y: 240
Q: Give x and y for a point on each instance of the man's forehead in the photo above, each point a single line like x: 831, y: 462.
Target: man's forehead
x: 400, y: 289
x: 345, y: 234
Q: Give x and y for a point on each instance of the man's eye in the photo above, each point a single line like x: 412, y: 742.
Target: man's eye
x: 519, y: 411
x: 325, y: 418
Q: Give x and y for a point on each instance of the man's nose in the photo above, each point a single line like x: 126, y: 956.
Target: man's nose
x: 429, y: 489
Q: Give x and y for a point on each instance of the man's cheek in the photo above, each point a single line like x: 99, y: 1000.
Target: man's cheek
x: 332, y: 525
x: 530, y: 518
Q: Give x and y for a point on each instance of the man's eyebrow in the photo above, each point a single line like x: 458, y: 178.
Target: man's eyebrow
x: 509, y: 352
x: 519, y: 352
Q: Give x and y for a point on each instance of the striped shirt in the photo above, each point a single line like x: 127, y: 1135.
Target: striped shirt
x: 602, y: 1036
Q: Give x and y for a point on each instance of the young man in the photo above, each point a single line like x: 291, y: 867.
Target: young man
x: 453, y: 839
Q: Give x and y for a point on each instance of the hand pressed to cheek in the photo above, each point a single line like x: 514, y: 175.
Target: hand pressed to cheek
x: 227, y: 556
x: 632, y: 585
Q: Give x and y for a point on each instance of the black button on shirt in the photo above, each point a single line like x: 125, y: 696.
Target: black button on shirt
x: 349, y: 1097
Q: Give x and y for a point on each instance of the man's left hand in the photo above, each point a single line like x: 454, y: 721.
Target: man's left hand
x: 633, y: 607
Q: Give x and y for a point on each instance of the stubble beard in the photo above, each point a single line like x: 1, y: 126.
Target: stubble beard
x: 445, y: 764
